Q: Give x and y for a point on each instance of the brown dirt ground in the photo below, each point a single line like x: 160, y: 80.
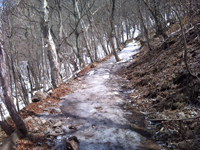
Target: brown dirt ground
x: 166, y: 92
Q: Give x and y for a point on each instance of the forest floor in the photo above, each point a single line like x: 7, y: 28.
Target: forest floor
x: 127, y: 105
x: 166, y: 92
x: 93, y: 107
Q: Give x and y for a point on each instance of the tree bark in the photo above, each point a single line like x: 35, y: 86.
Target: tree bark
x: 143, y: 24
x: 30, y: 81
x: 157, y: 17
x: 100, y: 39
x: 112, y: 33
x: 84, y: 30
x: 56, y: 79
x: 5, y: 128
x: 3, y: 123
x: 8, y: 96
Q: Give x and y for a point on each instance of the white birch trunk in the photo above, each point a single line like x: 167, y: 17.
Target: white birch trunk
x: 56, y: 79
x: 53, y: 59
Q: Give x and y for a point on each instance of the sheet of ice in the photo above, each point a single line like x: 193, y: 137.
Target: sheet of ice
x: 94, y: 110
x: 129, y: 51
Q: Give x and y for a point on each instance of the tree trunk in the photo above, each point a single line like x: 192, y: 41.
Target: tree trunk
x: 143, y: 24
x: 157, y: 17
x: 23, y: 87
x: 56, y: 79
x: 100, y: 39
x: 84, y: 30
x: 93, y: 36
x: 4, y: 123
x: 8, y: 96
x: 5, y: 128
x: 112, y: 33
x: 34, y: 74
x: 44, y: 66
x: 127, y: 30
x: 30, y: 81
x: 122, y: 33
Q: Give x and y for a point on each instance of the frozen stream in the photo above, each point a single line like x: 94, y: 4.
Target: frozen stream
x: 95, y: 109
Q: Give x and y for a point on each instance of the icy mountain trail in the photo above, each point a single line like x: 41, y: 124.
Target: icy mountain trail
x: 94, y: 110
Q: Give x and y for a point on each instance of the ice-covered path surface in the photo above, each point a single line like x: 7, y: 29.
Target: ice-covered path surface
x: 95, y: 108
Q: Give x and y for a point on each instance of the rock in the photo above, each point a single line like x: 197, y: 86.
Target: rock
x: 43, y: 121
x: 37, y: 148
x: 163, y: 116
x: 49, y: 123
x: 92, y: 65
x: 58, y: 124
x: 55, y: 111
x: 159, y: 98
x: 182, y: 145
x: 181, y: 115
x: 27, y: 119
x: 49, y: 131
x: 153, y: 128
x: 79, y: 79
x: 44, y: 114
x: 194, y: 113
x: 58, y: 130
x: 40, y: 106
x: 193, y: 125
x: 72, y: 128
x: 38, y: 96
x: 120, y: 104
x: 48, y: 108
x: 36, y: 130
x: 52, y: 110
x: 150, y: 144
x: 180, y: 55
x: 72, y: 143
x: 37, y: 119
x: 177, y: 105
x: 188, y: 116
x: 188, y: 134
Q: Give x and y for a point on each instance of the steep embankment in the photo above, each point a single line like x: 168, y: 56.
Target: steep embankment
x: 167, y: 91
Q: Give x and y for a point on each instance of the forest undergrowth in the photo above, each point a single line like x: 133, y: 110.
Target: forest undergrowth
x: 169, y: 95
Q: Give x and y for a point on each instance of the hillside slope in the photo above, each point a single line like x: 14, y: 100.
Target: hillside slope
x: 168, y: 93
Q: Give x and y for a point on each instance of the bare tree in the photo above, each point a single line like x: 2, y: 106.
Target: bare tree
x: 3, y: 122
x: 8, y: 96
x: 112, y: 32
x: 49, y: 44
x: 155, y: 12
x: 143, y: 24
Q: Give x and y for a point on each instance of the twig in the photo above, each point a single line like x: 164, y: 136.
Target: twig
x: 159, y: 120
